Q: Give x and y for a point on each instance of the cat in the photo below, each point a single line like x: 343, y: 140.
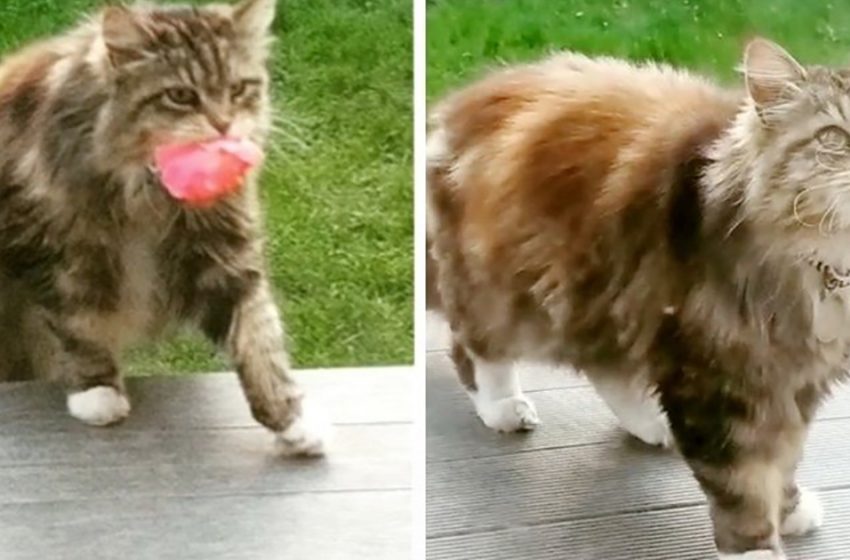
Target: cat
x: 94, y: 254
x: 682, y: 244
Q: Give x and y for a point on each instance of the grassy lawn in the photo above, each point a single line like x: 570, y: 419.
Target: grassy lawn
x: 466, y: 36
x: 338, y: 185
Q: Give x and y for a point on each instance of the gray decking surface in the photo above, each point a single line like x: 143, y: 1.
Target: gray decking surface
x: 190, y: 476
x: 578, y: 488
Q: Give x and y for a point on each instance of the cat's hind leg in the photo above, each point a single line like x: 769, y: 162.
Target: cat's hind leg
x: 636, y: 407
x: 495, y: 391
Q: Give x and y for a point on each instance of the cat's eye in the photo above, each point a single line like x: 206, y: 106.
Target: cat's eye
x: 182, y: 96
x: 833, y: 138
x: 238, y: 90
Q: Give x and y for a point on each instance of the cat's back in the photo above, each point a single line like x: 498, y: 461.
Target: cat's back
x: 565, y: 139
x: 31, y: 78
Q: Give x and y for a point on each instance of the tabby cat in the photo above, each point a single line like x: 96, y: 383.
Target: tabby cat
x: 94, y: 253
x: 683, y: 245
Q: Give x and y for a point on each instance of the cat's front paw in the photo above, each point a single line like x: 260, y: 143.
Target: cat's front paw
x: 806, y: 517
x: 308, y: 435
x: 510, y: 414
x: 99, y: 406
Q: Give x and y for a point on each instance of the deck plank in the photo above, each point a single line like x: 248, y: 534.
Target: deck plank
x: 327, y: 526
x: 199, y: 464
x: 682, y: 533
x: 579, y: 487
x: 190, y: 475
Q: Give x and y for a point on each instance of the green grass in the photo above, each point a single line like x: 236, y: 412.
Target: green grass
x: 339, y: 209
x: 467, y: 36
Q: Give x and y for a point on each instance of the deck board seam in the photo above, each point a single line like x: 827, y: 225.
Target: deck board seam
x: 212, y: 496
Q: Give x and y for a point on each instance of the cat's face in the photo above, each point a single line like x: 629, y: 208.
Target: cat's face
x: 802, y: 140
x: 186, y: 74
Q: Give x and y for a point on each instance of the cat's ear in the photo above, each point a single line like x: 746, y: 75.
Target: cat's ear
x: 772, y: 75
x: 124, y: 35
x: 254, y: 18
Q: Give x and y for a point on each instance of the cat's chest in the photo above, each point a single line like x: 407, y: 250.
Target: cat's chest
x: 141, y: 308
x: 830, y: 316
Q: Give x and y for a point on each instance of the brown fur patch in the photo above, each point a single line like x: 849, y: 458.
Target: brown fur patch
x: 634, y: 218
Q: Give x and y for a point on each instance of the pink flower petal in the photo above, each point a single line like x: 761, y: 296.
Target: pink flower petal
x: 200, y: 173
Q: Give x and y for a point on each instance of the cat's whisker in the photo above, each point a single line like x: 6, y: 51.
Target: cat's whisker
x: 833, y: 211
x: 796, y: 209
x: 286, y: 137
x: 824, y: 231
x: 798, y: 198
x: 837, y: 214
x: 284, y: 119
x: 834, y: 217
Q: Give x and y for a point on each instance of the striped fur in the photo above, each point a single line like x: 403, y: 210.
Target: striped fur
x: 94, y: 254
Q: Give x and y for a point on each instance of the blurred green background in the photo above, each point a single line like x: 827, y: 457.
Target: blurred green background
x: 467, y: 36
x: 338, y: 184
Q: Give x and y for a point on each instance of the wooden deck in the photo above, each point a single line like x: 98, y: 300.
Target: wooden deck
x: 580, y: 489
x: 190, y: 476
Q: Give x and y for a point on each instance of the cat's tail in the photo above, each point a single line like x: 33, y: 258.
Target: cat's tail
x: 432, y: 293
x: 436, y: 170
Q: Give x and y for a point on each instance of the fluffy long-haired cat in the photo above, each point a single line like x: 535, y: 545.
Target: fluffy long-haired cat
x: 94, y: 254
x: 685, y: 246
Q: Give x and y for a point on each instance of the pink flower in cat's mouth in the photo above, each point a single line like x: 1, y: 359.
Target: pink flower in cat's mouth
x: 199, y: 173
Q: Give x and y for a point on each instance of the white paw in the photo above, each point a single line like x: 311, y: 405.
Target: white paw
x: 99, y: 406
x: 754, y: 555
x: 807, y: 517
x: 653, y: 429
x: 510, y: 414
x: 308, y: 435
x: 637, y: 409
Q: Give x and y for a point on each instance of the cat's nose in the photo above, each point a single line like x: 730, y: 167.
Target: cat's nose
x: 221, y: 124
